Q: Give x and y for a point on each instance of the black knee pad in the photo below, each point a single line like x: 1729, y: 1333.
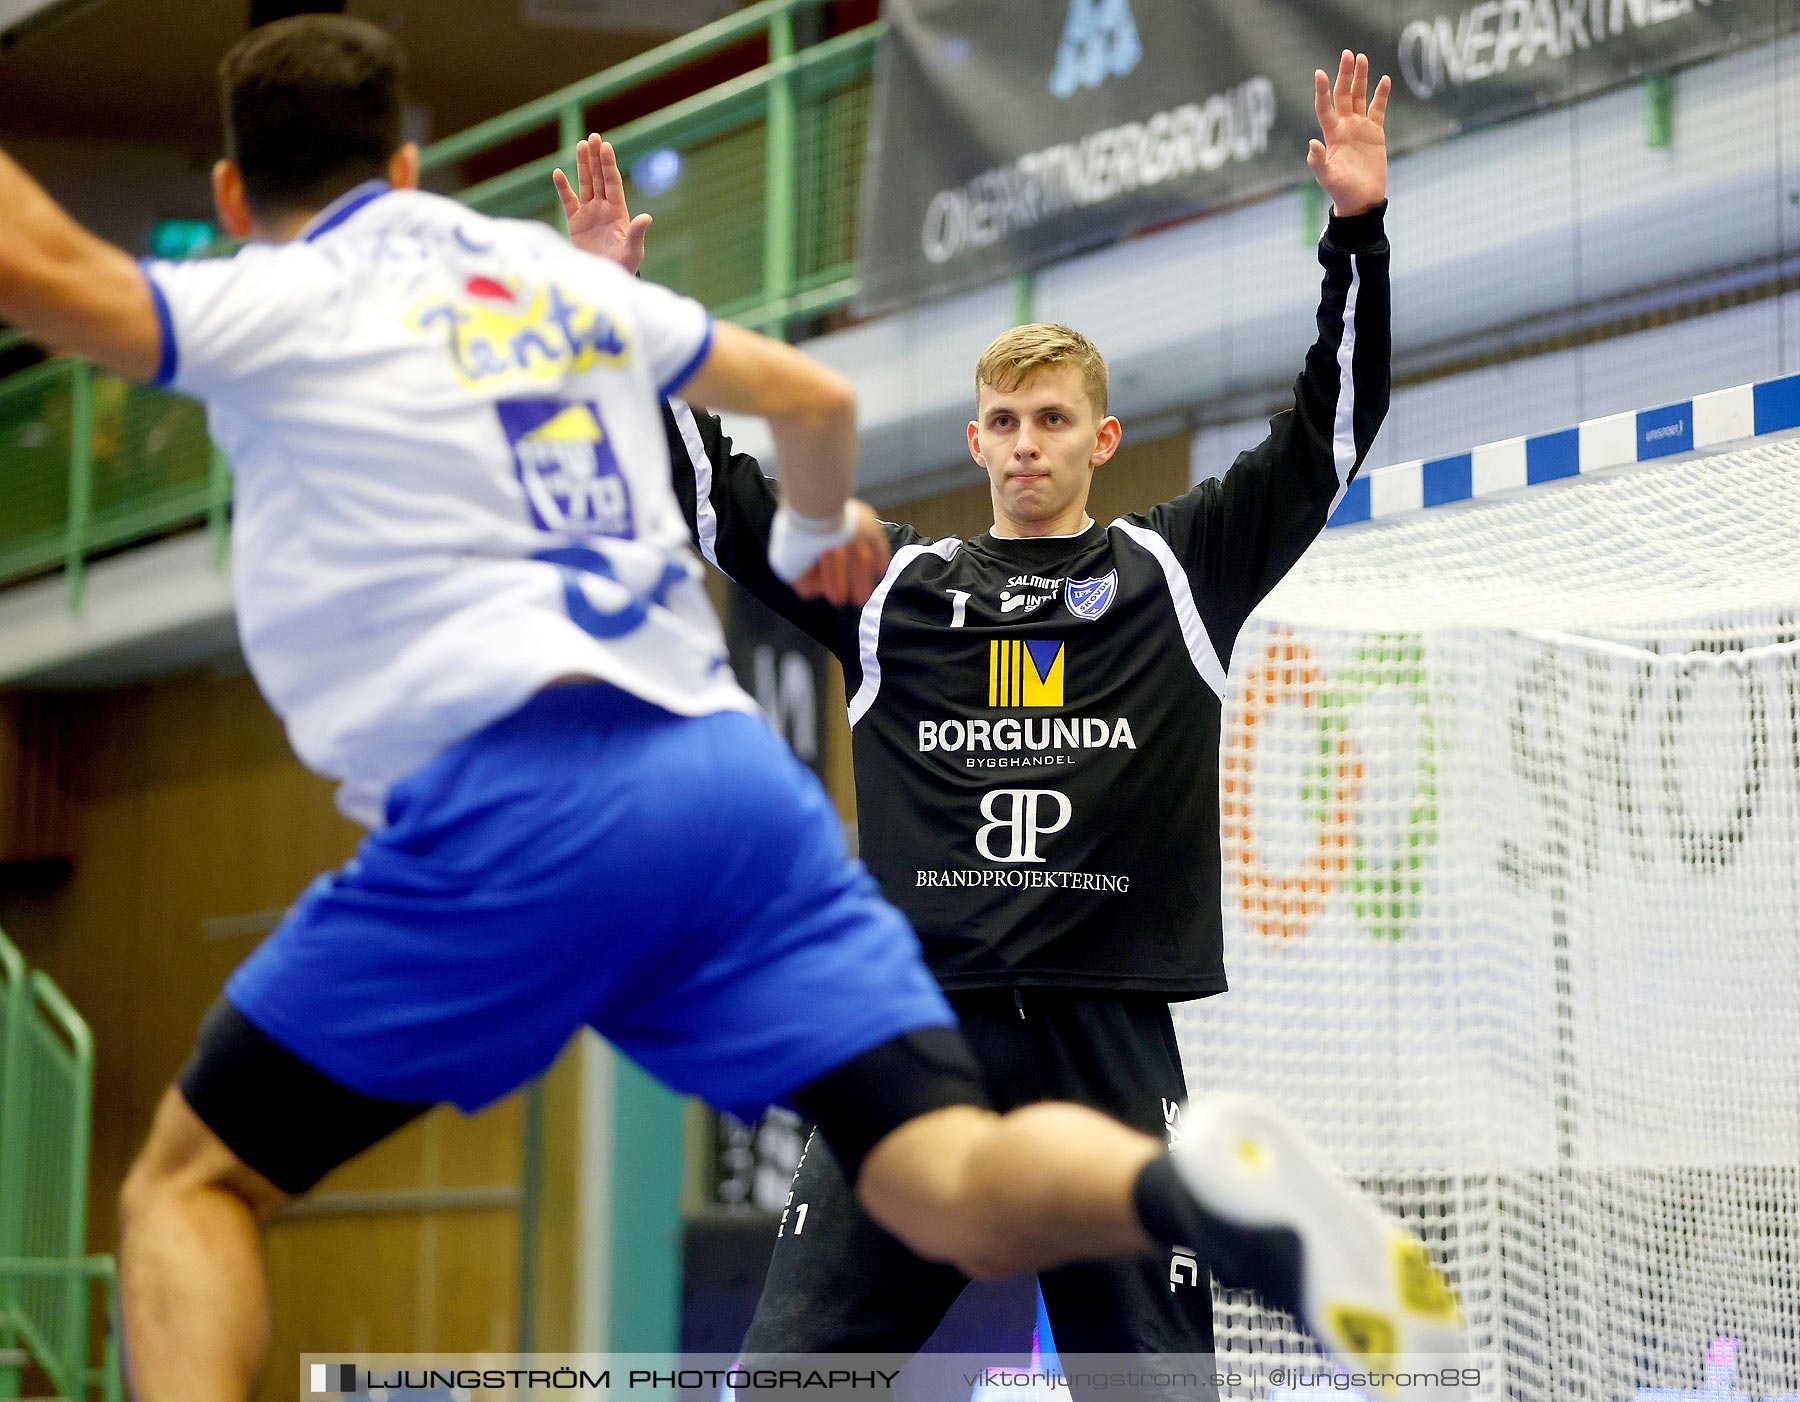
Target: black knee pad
x: 285, y: 1118
x: 860, y: 1103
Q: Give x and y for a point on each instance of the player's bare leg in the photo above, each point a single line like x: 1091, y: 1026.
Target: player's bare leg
x: 1004, y: 1194
x: 999, y: 1195
x: 192, y: 1285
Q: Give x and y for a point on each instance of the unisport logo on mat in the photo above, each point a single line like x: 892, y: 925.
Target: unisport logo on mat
x: 1025, y: 672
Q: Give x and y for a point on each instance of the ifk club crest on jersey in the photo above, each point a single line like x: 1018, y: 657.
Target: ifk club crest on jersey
x: 1089, y: 598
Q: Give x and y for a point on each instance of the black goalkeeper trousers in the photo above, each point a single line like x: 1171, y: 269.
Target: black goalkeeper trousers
x: 840, y: 1283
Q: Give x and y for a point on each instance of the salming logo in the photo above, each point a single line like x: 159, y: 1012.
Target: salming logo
x: 1184, y: 1264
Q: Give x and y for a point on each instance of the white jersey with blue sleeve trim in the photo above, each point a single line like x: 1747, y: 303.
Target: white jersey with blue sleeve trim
x: 452, y: 480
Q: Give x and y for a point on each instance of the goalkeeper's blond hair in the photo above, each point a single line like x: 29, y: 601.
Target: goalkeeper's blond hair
x: 1018, y: 355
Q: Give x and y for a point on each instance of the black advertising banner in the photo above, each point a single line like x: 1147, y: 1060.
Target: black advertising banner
x: 787, y: 672
x: 1010, y: 132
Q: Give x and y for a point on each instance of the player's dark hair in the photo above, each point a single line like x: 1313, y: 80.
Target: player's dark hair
x: 312, y: 109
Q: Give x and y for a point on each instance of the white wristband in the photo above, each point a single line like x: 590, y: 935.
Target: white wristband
x: 796, y: 542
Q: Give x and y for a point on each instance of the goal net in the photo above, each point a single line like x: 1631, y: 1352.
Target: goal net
x: 1511, y: 817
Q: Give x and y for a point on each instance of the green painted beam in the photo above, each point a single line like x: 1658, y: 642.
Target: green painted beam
x: 1659, y: 111
x: 778, y: 180
x: 34, y: 557
x: 37, y: 375
x: 81, y: 479
x: 619, y: 78
x: 1024, y: 290
x: 218, y: 508
x: 122, y: 527
x: 734, y: 103
x: 822, y: 298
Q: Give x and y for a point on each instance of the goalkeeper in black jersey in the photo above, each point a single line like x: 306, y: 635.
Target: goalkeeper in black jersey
x: 1035, y: 717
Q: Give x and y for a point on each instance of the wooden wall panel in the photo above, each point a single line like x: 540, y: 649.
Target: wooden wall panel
x: 400, y: 1282
x: 36, y: 811
x: 559, y: 1222
x: 189, y: 809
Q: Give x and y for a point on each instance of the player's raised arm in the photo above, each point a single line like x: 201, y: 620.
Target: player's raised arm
x: 1237, y: 537
x: 818, y: 542
x: 67, y: 287
x: 823, y: 543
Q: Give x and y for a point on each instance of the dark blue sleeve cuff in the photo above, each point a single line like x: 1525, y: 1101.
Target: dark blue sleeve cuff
x: 166, y: 360
x: 686, y: 372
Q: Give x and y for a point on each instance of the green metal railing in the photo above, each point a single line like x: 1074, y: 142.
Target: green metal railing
x: 760, y: 148
x: 89, y: 464
x: 46, y: 1118
x: 15, y: 1010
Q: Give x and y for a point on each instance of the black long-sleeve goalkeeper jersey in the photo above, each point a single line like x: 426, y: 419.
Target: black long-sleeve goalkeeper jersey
x: 1035, y: 722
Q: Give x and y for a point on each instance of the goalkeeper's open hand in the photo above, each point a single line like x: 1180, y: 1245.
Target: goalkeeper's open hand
x: 1350, y: 164
x: 599, y: 221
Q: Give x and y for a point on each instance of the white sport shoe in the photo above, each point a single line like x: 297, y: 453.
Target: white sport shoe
x: 1308, y: 1242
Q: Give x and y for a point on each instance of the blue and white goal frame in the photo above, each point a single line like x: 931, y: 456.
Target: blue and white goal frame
x: 1705, y: 423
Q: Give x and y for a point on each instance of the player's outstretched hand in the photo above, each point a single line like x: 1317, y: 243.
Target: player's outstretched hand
x: 1350, y: 164
x: 849, y: 574
x: 599, y: 222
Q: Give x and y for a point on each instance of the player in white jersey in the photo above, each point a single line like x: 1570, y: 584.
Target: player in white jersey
x: 463, y: 582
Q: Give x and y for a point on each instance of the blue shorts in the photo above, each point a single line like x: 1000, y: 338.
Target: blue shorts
x: 677, y: 883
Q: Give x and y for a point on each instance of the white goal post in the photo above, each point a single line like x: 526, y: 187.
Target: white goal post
x: 1511, y: 819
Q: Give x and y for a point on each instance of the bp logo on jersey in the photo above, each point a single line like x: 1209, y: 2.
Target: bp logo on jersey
x: 1025, y: 672
x: 1089, y: 598
x: 566, y: 466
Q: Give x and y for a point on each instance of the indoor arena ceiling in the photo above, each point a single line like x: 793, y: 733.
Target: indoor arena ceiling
x: 143, y: 69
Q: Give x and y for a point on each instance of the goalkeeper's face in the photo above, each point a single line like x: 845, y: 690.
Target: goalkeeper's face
x: 1039, y: 443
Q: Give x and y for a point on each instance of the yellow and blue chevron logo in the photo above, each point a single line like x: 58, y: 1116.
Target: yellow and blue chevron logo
x: 1025, y: 672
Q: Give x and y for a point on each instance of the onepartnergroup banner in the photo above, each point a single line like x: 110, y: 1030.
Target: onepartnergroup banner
x: 950, y: 1377
x: 1009, y: 132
